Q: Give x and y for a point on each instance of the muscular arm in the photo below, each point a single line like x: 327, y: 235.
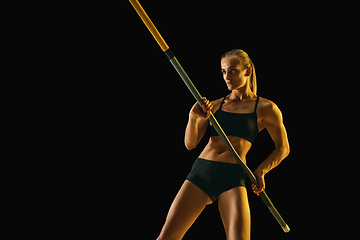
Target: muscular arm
x: 195, y: 130
x: 197, y: 124
x: 272, y: 120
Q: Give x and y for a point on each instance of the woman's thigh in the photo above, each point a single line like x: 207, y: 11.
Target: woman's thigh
x: 235, y: 213
x: 186, y: 207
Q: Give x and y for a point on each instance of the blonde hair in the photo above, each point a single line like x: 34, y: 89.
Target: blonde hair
x: 246, y: 62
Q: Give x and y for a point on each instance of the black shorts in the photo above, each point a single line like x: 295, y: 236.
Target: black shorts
x: 214, y: 178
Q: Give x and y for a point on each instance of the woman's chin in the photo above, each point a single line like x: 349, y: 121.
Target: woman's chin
x: 230, y: 87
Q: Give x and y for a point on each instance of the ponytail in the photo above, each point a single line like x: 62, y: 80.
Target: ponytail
x: 253, y: 85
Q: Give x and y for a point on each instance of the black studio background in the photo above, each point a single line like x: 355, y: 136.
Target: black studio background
x: 129, y: 109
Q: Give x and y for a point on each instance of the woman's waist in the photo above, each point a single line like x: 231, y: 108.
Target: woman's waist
x: 220, y: 156
x: 216, y: 150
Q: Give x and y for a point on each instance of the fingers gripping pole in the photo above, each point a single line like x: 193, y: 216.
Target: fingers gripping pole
x: 198, y: 98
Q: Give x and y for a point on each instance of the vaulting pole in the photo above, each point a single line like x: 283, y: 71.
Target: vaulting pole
x: 198, y: 98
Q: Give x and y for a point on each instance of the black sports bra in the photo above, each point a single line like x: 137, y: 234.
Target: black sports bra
x: 243, y: 125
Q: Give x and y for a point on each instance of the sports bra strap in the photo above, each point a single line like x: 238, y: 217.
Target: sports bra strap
x: 222, y: 102
x: 256, y: 104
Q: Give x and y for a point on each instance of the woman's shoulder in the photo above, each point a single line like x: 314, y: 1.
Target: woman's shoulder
x: 217, y: 101
x: 265, y: 103
x: 216, y: 104
x: 267, y: 106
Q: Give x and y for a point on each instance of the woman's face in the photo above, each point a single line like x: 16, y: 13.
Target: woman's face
x: 233, y: 73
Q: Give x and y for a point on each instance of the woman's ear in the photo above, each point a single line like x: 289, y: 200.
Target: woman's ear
x: 248, y: 71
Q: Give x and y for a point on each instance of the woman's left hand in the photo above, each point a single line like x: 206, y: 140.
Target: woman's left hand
x: 260, y: 176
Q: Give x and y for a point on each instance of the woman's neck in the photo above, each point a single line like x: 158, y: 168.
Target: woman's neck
x: 240, y: 94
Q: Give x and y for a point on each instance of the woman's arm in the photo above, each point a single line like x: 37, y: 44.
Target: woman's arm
x: 197, y: 124
x: 273, y: 121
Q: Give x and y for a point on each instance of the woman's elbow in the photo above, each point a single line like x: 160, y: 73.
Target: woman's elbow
x: 283, y: 150
x: 286, y: 150
x: 189, y: 146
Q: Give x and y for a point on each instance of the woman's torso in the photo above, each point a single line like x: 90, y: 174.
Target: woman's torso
x: 216, y: 150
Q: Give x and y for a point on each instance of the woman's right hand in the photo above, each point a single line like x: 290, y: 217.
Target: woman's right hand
x: 204, y: 111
